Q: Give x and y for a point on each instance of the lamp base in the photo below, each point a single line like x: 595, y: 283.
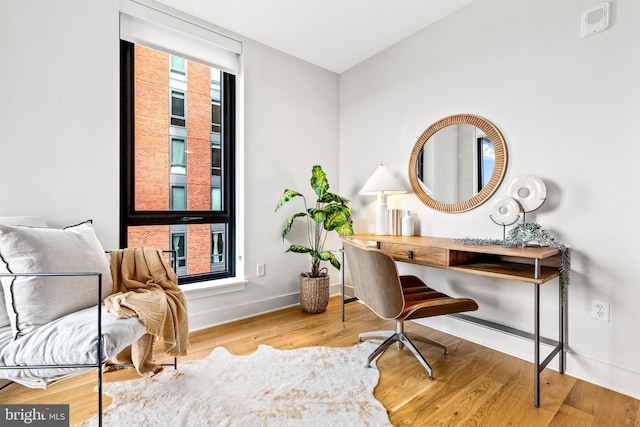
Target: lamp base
x: 382, y: 218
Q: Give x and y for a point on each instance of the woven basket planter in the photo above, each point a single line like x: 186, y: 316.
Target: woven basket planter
x: 314, y: 293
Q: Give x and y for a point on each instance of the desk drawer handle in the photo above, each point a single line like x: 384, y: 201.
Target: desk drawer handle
x: 410, y: 254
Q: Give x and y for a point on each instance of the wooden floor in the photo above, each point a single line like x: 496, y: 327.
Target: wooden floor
x: 473, y: 386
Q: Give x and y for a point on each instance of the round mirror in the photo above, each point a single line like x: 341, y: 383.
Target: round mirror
x: 458, y: 163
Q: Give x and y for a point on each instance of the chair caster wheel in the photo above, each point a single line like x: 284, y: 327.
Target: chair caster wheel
x: 367, y: 365
x: 431, y: 377
x: 444, y: 352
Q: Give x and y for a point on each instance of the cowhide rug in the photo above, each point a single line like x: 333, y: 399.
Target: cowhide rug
x: 311, y: 386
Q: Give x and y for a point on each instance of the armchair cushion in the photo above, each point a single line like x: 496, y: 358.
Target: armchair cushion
x: 34, y: 301
x: 72, y: 339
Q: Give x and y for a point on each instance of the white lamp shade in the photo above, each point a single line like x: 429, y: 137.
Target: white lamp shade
x: 382, y: 181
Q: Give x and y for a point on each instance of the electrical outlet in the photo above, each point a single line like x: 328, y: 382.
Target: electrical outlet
x: 600, y: 310
x: 260, y: 270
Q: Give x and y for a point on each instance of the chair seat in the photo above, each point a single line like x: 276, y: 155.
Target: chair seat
x: 422, y: 301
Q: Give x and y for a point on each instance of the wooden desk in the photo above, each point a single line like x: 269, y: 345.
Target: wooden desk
x: 534, y: 265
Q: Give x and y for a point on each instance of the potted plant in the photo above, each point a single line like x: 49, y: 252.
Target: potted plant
x: 330, y: 213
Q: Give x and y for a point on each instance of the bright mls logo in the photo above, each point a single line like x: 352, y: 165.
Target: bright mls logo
x: 34, y: 415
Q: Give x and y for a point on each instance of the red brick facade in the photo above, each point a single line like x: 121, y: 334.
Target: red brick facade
x: 151, y: 129
x: 152, y: 152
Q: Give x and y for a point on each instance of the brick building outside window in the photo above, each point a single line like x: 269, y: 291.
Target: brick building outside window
x: 178, y: 161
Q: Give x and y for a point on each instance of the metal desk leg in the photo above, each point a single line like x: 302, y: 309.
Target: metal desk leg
x: 536, y: 341
x: 342, y: 267
x: 562, y: 321
x: 536, y: 351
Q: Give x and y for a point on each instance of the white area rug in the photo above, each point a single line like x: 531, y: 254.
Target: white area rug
x: 312, y: 386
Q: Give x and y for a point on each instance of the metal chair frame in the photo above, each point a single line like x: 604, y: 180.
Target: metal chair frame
x: 98, y: 364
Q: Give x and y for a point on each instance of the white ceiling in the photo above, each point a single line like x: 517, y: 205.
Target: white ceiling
x: 334, y: 34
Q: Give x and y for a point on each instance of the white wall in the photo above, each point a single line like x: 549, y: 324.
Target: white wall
x: 59, y: 147
x: 568, y: 109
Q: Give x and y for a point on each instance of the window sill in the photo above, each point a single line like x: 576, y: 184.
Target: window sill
x: 214, y: 287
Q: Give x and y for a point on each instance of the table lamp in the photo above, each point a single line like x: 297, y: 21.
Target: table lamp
x: 381, y: 184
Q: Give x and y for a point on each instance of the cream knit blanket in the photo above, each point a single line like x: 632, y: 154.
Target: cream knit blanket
x: 144, y: 285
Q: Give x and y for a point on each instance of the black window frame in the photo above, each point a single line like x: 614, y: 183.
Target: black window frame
x: 129, y: 216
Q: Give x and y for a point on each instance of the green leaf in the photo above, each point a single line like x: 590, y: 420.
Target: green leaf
x: 328, y: 256
x: 337, y: 216
x: 346, y: 229
x: 319, y: 181
x: 318, y: 215
x: 288, y: 195
x: 332, y: 197
x: 299, y: 249
x: 289, y: 223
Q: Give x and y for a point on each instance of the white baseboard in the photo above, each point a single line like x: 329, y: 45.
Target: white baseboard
x: 221, y: 315
x: 227, y: 314
x: 616, y: 378
x: 597, y: 372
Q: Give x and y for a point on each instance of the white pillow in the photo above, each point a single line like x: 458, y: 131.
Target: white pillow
x: 15, y: 220
x: 37, y: 300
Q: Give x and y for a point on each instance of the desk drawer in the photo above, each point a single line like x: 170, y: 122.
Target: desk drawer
x: 420, y: 254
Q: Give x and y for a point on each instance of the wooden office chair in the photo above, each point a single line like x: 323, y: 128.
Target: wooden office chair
x: 376, y: 282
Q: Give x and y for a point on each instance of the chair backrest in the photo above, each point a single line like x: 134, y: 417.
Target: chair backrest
x: 375, y: 279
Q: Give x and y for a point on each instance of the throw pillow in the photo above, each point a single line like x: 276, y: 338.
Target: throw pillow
x: 33, y: 301
x: 15, y: 220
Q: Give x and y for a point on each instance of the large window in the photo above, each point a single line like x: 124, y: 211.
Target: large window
x: 177, y: 132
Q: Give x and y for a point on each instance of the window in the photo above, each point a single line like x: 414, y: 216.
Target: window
x: 216, y: 197
x: 216, y: 110
x: 178, y: 68
x: 178, y: 198
x: 216, y: 159
x: 218, y: 238
x: 177, y: 108
x: 177, y: 171
x: 486, y: 161
x: 178, y: 156
x: 215, y: 115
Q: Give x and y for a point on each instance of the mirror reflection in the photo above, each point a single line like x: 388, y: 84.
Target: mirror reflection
x: 457, y: 163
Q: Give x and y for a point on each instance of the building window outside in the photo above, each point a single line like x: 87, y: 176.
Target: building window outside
x: 178, y: 156
x: 178, y: 108
x: 217, y: 247
x: 216, y: 197
x: 178, y: 68
x: 178, y: 198
x: 196, y: 223
x: 216, y: 159
x: 179, y: 249
x: 216, y: 111
x: 216, y: 108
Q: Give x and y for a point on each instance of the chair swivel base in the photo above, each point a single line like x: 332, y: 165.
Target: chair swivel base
x: 401, y: 338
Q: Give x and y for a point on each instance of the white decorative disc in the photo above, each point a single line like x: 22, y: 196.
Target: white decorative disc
x: 529, y: 191
x: 505, y: 211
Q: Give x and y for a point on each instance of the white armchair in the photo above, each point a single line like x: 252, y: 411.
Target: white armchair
x: 52, y: 324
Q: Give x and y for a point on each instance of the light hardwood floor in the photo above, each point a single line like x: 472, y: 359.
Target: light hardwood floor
x: 473, y: 386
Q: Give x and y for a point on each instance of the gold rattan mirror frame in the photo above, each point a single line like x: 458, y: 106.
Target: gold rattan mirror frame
x: 499, y: 170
